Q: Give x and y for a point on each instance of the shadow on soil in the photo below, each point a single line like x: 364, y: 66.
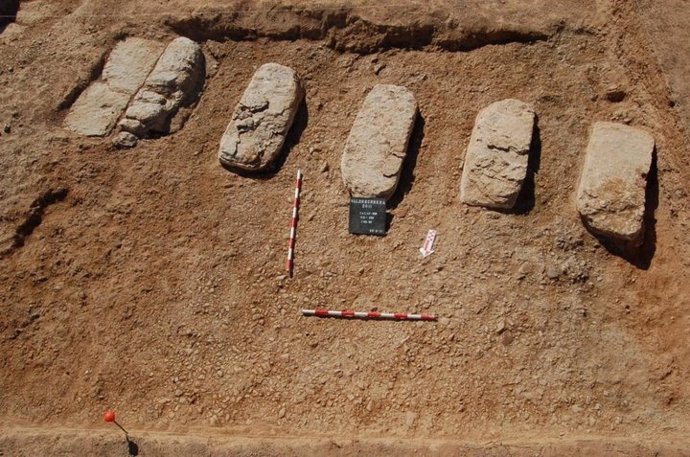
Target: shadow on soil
x: 132, y: 447
x: 291, y: 140
x: 641, y: 256
x: 407, y: 177
x: 36, y: 212
x: 526, y: 199
x: 8, y: 12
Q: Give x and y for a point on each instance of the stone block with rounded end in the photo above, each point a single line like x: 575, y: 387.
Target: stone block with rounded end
x: 612, y: 190
x: 496, y: 160
x: 173, y: 83
x: 261, y: 121
x: 377, y: 145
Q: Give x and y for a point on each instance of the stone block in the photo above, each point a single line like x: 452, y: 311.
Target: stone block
x: 261, y: 121
x: 98, y: 108
x: 377, y: 145
x: 612, y: 190
x: 496, y: 161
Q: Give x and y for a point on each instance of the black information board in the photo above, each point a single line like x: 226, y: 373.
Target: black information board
x: 368, y: 216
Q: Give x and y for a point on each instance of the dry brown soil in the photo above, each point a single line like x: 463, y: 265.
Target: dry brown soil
x: 151, y: 280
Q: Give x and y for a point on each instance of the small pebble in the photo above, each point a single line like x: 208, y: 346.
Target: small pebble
x: 501, y: 327
x: 125, y: 140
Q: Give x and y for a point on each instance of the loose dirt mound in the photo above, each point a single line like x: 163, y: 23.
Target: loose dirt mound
x: 155, y: 285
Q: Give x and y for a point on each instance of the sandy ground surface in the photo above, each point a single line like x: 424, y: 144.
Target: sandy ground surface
x: 151, y: 280
x: 31, y: 442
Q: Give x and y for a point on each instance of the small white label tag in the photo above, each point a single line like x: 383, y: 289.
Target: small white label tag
x: 429, y: 242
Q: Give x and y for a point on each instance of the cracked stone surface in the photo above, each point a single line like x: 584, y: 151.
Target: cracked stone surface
x: 100, y: 106
x: 261, y: 120
x: 611, y: 194
x: 496, y: 160
x: 174, y: 83
x: 377, y: 145
x: 96, y: 110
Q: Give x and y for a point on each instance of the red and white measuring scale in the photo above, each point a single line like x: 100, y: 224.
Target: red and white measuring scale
x: 368, y: 315
x: 290, y: 264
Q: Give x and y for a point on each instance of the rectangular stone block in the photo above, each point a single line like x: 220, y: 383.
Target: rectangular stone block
x: 377, y: 145
x: 256, y: 133
x: 496, y: 160
x: 611, y: 194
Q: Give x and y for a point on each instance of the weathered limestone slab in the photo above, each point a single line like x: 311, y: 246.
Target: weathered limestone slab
x: 130, y: 62
x: 611, y: 194
x: 100, y: 106
x: 497, y: 156
x: 377, y: 145
x: 96, y: 110
x: 174, y: 82
x: 262, y: 119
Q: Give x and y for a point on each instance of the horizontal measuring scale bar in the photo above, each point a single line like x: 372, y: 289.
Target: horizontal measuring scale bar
x: 368, y: 315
